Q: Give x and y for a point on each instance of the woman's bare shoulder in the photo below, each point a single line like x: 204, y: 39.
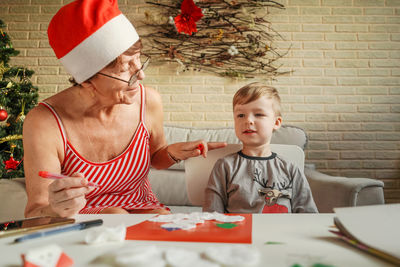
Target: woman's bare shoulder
x: 153, y: 97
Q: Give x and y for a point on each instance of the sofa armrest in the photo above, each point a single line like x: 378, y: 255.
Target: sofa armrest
x: 333, y: 191
x: 13, y: 199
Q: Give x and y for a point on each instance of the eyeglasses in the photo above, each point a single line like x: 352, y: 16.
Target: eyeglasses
x: 134, y: 76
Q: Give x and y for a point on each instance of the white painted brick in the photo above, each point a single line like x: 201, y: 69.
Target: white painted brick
x: 336, y: 3
x: 290, y: 118
x: 306, y: 91
x: 373, y: 72
x: 372, y: 91
x: 340, y: 54
x: 307, y: 54
x: 346, y: 11
x: 308, y: 36
x: 345, y: 164
x: 359, y: 136
x: 187, y: 98
x: 381, y: 145
x: 319, y: 45
x: 369, y: 19
x: 340, y: 108
x: 386, y: 99
x: 386, y: 117
x: 389, y: 136
x: 307, y: 108
x: 311, y: 126
x: 337, y: 19
x: 338, y: 90
x: 373, y: 108
x: 176, y: 107
x: 385, y: 63
x: 303, y: 2
x: 352, y: 81
x: 318, y: 146
x: 323, y: 155
x: 388, y: 155
x: 207, y: 107
x: 174, y: 89
x: 344, y: 127
x: 395, y: 91
x: 346, y: 63
x: 341, y: 36
x: 315, y: 11
x: 186, y: 116
x: 207, y: 89
x: 340, y: 72
x: 384, y: 28
x: 351, y: 28
x: 324, y: 99
x: 308, y: 72
x: 322, y: 117
x: 311, y: 63
x: 354, y: 99
x: 378, y: 11
x: 357, y: 155
x: 380, y: 164
x: 219, y: 116
x: 364, y: 3
x: 320, y: 81
x: 356, y: 117
x: 384, y: 46
x: 373, y: 37
x: 305, y: 19
x: 377, y: 127
x: 318, y: 28
x: 351, y: 46
x: 395, y: 108
x: 384, y: 81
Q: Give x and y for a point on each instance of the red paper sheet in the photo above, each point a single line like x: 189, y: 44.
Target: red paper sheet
x: 206, y: 232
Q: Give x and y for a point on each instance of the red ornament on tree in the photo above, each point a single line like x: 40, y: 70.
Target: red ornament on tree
x: 3, y: 114
x: 11, y: 163
x: 186, y: 21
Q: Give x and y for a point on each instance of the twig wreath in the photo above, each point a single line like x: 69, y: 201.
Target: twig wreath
x: 226, y: 37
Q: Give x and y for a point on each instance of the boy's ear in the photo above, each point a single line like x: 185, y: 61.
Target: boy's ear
x: 278, y: 123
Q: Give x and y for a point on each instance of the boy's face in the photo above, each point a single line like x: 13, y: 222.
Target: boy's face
x: 255, y: 122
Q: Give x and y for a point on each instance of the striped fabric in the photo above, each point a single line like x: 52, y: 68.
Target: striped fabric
x: 123, y: 180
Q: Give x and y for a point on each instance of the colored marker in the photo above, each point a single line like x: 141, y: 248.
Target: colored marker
x: 61, y: 229
x: 50, y: 175
x: 200, y: 147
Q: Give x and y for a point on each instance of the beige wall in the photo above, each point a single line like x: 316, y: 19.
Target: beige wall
x: 344, y: 89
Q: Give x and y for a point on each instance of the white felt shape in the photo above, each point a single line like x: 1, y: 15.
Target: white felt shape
x: 184, y: 258
x: 46, y: 256
x: 140, y: 256
x: 101, y: 235
x: 232, y: 256
x: 179, y: 225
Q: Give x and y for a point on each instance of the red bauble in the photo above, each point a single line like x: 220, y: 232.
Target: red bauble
x: 3, y: 114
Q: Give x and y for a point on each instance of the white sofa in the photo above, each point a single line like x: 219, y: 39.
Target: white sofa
x: 170, y: 187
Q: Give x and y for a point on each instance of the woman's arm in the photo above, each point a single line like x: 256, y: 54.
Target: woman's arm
x: 44, y: 151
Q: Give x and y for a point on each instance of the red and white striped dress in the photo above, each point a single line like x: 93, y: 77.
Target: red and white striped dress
x: 123, y: 180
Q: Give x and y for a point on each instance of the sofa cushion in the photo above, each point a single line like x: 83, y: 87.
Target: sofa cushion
x: 287, y: 134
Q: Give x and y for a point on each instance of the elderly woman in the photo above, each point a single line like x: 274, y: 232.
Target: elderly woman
x: 105, y: 131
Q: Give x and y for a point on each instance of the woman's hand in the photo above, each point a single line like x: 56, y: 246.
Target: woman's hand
x: 185, y: 150
x: 67, y: 195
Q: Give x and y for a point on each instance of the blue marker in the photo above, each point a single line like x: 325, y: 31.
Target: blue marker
x: 62, y: 229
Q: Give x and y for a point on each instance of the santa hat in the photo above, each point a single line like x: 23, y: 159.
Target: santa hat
x: 86, y: 35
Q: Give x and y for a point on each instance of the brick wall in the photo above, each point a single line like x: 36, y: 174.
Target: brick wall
x: 344, y: 88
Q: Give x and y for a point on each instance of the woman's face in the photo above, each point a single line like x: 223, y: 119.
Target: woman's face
x: 115, y: 90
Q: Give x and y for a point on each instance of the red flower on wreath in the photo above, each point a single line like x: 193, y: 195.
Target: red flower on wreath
x: 11, y: 163
x: 186, y: 21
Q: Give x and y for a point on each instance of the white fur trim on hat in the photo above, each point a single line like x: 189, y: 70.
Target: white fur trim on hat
x: 100, y: 48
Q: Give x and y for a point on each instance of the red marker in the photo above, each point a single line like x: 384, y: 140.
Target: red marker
x: 200, y: 147
x: 50, y: 175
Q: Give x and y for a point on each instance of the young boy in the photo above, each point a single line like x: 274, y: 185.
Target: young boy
x: 255, y: 179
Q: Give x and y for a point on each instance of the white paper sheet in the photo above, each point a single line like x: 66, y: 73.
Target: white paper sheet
x: 377, y: 226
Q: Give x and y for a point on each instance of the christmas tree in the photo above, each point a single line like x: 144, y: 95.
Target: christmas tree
x: 17, y: 97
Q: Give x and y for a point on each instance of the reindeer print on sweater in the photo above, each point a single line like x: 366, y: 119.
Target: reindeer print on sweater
x: 272, y: 193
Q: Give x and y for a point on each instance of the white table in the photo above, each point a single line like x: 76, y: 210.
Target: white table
x: 305, y: 236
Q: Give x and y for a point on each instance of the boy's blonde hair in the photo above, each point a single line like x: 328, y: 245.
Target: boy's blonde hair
x: 254, y: 91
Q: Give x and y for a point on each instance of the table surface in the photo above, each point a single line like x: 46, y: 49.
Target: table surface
x: 306, y: 240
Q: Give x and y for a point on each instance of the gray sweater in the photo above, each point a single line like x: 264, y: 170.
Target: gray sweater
x: 243, y: 184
